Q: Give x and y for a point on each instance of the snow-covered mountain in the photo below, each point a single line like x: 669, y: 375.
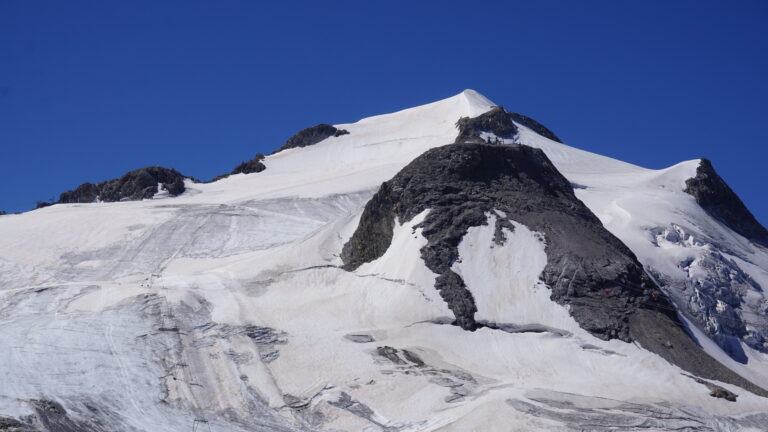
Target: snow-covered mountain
x: 448, y: 267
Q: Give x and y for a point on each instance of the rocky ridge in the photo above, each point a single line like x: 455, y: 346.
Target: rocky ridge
x: 588, y: 269
x: 143, y: 183
x: 718, y: 199
x: 311, y: 136
x: 139, y: 184
x: 254, y: 165
x: 500, y: 123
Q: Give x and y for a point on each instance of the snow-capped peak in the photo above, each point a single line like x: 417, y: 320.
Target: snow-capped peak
x: 468, y: 103
x: 230, y: 305
x: 476, y: 103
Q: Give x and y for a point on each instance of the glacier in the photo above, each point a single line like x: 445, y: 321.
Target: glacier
x: 227, y: 308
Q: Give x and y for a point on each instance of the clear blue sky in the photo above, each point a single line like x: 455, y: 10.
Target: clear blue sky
x: 90, y: 90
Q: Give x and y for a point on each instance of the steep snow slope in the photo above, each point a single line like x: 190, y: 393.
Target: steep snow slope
x: 225, y: 307
x: 296, y: 182
x: 715, y: 275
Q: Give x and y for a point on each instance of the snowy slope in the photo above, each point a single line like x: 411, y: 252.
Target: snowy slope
x: 697, y: 259
x: 227, y: 305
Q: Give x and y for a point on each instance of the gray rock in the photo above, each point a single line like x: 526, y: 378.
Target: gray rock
x: 529, y: 328
x: 499, y: 122
x: 311, y: 136
x: 534, y: 126
x: 588, y: 269
x: 56, y: 419
x: 266, y: 339
x: 722, y: 393
x: 719, y: 200
x: 460, y: 184
x: 496, y: 121
x: 360, y: 338
x: 413, y: 358
x: 266, y: 335
x: 8, y: 424
x: 135, y: 185
x: 254, y: 165
x: 390, y: 354
x: 377, y: 226
x: 359, y: 409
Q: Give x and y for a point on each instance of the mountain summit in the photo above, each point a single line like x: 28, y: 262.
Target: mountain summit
x: 452, y: 266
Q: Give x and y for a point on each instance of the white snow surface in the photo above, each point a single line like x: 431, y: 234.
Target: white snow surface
x: 227, y: 303
x: 504, y: 279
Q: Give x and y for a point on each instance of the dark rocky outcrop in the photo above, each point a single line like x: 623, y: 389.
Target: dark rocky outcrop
x: 376, y: 225
x: 499, y: 122
x: 50, y: 416
x: 723, y: 394
x: 716, y: 391
x: 135, y: 185
x: 345, y: 402
x: 254, y: 165
x: 55, y: 418
x: 460, y: 184
x: 496, y: 121
x: 8, y: 424
x: 311, y: 136
x: 2, y: 213
x: 588, y: 269
x: 534, y: 126
x: 719, y: 200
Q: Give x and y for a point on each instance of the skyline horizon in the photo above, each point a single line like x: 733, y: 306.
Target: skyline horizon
x: 91, y: 91
x: 52, y: 200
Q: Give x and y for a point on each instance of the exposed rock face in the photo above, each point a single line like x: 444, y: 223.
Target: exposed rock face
x: 500, y: 123
x: 252, y: 166
x: 587, y: 268
x: 55, y: 418
x: 135, y: 185
x: 496, y: 121
x: 49, y: 416
x: 460, y: 184
x: 719, y: 200
x: 8, y: 424
x: 723, y: 394
x: 248, y: 167
x: 311, y: 136
x: 377, y: 226
x: 534, y: 126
